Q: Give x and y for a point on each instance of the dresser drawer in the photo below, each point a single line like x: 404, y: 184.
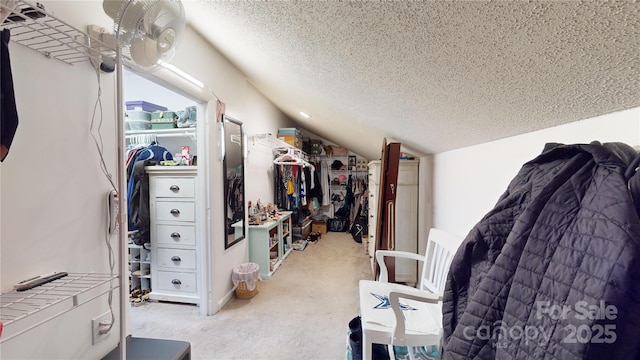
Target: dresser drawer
x: 173, y: 187
x: 176, y: 258
x: 176, y: 281
x: 175, y: 211
x: 175, y: 235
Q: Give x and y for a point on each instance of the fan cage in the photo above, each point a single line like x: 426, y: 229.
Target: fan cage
x: 141, y: 19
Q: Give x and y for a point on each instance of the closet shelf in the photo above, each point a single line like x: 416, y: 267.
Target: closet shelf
x: 49, y: 35
x: 24, y: 310
x: 270, y: 141
x: 159, y: 133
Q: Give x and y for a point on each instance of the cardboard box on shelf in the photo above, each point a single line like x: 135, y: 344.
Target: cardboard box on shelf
x: 291, y: 140
x: 289, y: 131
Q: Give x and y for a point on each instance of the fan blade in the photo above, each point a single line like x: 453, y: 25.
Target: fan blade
x: 166, y: 40
x: 144, y: 51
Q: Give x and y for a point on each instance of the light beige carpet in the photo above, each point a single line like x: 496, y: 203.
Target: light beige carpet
x: 302, y: 312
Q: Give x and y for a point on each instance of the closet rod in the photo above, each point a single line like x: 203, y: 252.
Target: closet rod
x: 166, y: 133
x: 185, y: 134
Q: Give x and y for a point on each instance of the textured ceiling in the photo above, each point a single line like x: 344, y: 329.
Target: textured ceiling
x: 435, y: 76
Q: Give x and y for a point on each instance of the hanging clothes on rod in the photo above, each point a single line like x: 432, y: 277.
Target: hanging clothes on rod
x: 292, y: 185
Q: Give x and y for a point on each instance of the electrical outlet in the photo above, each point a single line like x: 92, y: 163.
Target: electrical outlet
x: 98, y: 327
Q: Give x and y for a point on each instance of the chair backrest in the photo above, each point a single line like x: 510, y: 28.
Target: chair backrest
x: 441, y: 247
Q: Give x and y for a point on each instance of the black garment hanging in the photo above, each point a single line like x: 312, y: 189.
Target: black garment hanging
x: 139, y: 211
x: 316, y: 190
x: 280, y: 187
x: 234, y: 200
x: 8, y: 109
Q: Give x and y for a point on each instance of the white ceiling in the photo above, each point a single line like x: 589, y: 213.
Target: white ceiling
x: 435, y: 76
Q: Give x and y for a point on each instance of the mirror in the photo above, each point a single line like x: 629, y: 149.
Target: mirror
x: 233, y: 163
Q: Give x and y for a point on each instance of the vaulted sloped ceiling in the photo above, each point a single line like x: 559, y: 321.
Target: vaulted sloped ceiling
x: 433, y: 75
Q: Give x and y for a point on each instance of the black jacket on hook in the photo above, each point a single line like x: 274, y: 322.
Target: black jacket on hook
x: 564, y: 235
x: 8, y: 110
x: 139, y: 202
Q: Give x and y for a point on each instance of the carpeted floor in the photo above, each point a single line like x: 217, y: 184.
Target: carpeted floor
x: 301, y: 313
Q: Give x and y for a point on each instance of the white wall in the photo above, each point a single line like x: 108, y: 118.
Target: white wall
x: 258, y: 115
x: 53, y: 193
x: 469, y: 181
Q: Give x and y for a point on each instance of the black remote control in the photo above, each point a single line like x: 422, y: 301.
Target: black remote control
x: 30, y: 284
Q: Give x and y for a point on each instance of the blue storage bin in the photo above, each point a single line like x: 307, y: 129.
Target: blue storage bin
x: 143, y: 105
x: 137, y: 115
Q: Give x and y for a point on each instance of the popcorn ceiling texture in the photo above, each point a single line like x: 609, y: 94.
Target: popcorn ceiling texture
x: 434, y: 75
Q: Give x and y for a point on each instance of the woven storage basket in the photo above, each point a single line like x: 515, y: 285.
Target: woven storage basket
x: 243, y: 293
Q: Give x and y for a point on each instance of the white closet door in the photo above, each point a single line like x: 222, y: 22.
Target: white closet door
x: 374, y: 179
x: 407, y: 219
x: 406, y: 216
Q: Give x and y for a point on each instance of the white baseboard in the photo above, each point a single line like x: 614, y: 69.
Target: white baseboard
x: 225, y: 299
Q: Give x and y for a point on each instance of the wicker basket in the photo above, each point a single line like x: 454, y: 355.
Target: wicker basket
x: 243, y: 293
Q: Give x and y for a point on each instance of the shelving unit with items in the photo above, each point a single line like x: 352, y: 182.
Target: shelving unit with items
x: 274, y: 251
x: 339, y: 176
x: 270, y: 244
x: 286, y: 238
x: 139, y: 268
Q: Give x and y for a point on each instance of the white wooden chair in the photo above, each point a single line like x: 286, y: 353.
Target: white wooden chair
x: 396, y: 314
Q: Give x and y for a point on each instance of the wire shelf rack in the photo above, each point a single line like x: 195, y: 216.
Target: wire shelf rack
x: 31, y: 26
x: 21, y: 311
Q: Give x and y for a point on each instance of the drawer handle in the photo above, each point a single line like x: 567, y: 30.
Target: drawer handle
x: 175, y: 235
x: 174, y: 188
x: 176, y: 282
x: 176, y: 258
x: 175, y: 212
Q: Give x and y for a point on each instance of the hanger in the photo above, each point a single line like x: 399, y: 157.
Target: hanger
x: 143, y: 139
x: 291, y: 158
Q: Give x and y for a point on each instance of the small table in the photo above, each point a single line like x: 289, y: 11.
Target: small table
x: 157, y: 349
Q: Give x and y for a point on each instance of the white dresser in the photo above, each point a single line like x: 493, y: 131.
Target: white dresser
x: 174, y: 234
x: 406, y: 216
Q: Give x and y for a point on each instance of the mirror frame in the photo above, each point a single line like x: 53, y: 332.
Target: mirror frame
x: 227, y: 123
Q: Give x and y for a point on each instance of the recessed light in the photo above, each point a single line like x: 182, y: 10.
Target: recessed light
x: 304, y: 114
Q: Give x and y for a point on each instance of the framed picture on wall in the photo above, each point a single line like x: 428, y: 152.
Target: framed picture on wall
x: 352, y: 162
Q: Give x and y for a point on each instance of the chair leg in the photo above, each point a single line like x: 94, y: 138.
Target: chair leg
x: 367, y: 347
